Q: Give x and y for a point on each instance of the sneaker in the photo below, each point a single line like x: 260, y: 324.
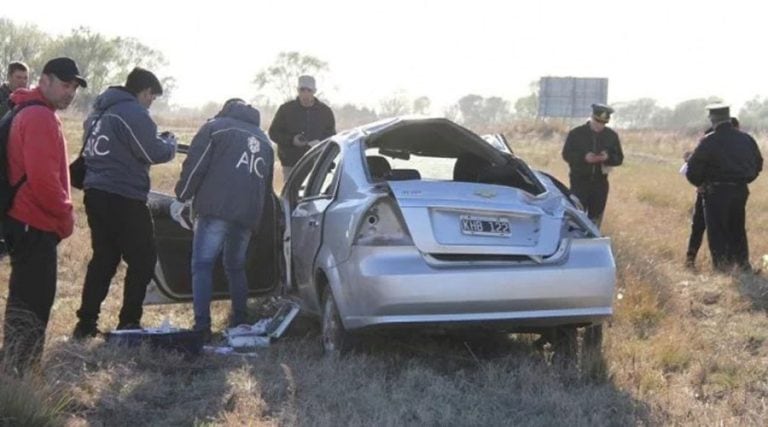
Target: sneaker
x: 85, y: 331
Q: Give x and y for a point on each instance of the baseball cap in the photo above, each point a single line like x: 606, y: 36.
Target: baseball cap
x: 65, y: 69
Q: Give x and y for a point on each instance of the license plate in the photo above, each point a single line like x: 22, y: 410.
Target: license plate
x: 485, y: 226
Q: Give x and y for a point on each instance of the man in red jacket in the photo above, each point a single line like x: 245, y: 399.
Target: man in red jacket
x: 41, y: 215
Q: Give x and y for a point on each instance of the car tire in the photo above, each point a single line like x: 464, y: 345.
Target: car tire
x: 336, y: 341
x: 565, y: 345
x: 592, y: 361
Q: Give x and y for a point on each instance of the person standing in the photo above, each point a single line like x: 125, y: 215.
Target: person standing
x: 300, y: 124
x: 41, y: 215
x: 18, y: 78
x: 121, y: 143
x: 591, y: 150
x: 228, y: 176
x: 723, y: 163
x: 698, y: 223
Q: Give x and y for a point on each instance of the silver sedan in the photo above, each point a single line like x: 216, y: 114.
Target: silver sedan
x: 423, y: 223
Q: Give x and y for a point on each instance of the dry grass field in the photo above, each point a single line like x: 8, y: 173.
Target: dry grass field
x: 684, y: 348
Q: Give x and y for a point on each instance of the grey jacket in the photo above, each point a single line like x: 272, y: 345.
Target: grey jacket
x: 228, y: 171
x: 122, y: 145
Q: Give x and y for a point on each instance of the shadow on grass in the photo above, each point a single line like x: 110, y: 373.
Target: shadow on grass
x: 754, y: 287
x: 119, y: 385
x: 427, y: 379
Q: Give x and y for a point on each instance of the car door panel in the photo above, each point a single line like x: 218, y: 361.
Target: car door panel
x: 173, y: 276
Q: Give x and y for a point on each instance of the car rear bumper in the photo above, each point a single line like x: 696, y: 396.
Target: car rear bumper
x: 390, y: 286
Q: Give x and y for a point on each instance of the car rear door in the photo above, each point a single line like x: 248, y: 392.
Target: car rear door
x: 311, y: 189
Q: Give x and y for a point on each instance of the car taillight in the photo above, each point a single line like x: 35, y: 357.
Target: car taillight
x: 383, y: 225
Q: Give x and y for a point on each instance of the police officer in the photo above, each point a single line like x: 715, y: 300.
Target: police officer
x: 591, y: 150
x: 724, y: 162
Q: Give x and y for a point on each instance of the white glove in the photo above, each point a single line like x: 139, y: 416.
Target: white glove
x: 179, y: 215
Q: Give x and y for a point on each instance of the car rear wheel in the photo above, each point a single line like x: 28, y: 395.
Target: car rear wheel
x: 336, y: 340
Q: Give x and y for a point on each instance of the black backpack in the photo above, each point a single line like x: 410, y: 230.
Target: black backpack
x: 7, y: 189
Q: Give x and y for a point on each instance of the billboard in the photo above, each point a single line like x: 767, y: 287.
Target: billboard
x: 570, y: 96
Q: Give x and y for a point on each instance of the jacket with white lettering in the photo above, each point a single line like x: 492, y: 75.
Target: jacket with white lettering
x: 228, y: 170
x: 122, y: 145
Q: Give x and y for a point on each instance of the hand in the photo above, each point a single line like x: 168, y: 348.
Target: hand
x: 298, y: 141
x: 603, y: 156
x: 180, y: 212
x: 591, y: 158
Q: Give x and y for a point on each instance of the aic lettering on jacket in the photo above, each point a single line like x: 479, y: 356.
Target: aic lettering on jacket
x: 96, y: 145
x: 251, y: 158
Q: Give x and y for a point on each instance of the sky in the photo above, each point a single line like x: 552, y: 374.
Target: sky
x: 667, y: 50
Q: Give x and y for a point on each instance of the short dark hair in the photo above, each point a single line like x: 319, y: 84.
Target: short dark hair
x: 140, y: 79
x: 17, y: 66
x: 735, y: 122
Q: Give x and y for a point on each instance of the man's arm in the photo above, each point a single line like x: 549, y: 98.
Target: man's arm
x: 195, y: 165
x: 140, y: 133
x: 615, y: 153
x: 572, y: 152
x: 43, y: 164
x: 696, y: 165
x: 330, y: 127
x: 278, y: 131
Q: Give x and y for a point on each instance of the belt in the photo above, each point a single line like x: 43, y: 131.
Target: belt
x: 718, y: 183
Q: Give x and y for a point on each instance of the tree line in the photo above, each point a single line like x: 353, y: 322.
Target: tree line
x: 105, y: 60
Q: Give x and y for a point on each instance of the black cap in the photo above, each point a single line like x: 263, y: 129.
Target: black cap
x: 601, y: 113
x: 65, y: 69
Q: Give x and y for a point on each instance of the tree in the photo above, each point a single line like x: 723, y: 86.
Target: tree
x: 691, y: 114
x: 103, y: 61
x: 396, y: 105
x: 638, y: 114
x: 754, y: 114
x: 350, y: 115
x: 422, y: 105
x: 281, y: 77
x: 478, y: 113
x: 22, y: 43
x: 527, y: 107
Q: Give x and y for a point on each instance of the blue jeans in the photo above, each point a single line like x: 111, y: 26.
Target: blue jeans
x: 212, y: 235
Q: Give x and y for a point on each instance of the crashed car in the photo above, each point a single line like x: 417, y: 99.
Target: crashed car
x: 419, y: 223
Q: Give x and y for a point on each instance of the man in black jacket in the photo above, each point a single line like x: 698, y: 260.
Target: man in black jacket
x: 591, y: 150
x: 724, y: 162
x: 300, y: 124
x: 18, y: 77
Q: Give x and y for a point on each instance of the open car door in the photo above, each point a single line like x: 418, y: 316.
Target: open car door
x: 173, y: 276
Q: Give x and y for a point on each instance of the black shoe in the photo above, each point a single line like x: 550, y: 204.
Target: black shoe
x: 128, y: 325
x: 690, y: 263
x: 85, y: 330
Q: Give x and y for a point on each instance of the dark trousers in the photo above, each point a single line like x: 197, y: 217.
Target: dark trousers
x: 593, y: 194
x: 31, y: 291
x: 698, y: 226
x: 121, y: 228
x: 725, y: 212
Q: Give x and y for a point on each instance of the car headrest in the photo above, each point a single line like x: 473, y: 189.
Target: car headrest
x: 468, y: 167
x: 378, y: 166
x: 403, y: 174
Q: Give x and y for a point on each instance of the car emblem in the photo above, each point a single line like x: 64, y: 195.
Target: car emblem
x: 486, y: 194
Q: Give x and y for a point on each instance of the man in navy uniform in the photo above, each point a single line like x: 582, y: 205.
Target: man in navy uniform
x: 591, y: 150
x: 724, y: 162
